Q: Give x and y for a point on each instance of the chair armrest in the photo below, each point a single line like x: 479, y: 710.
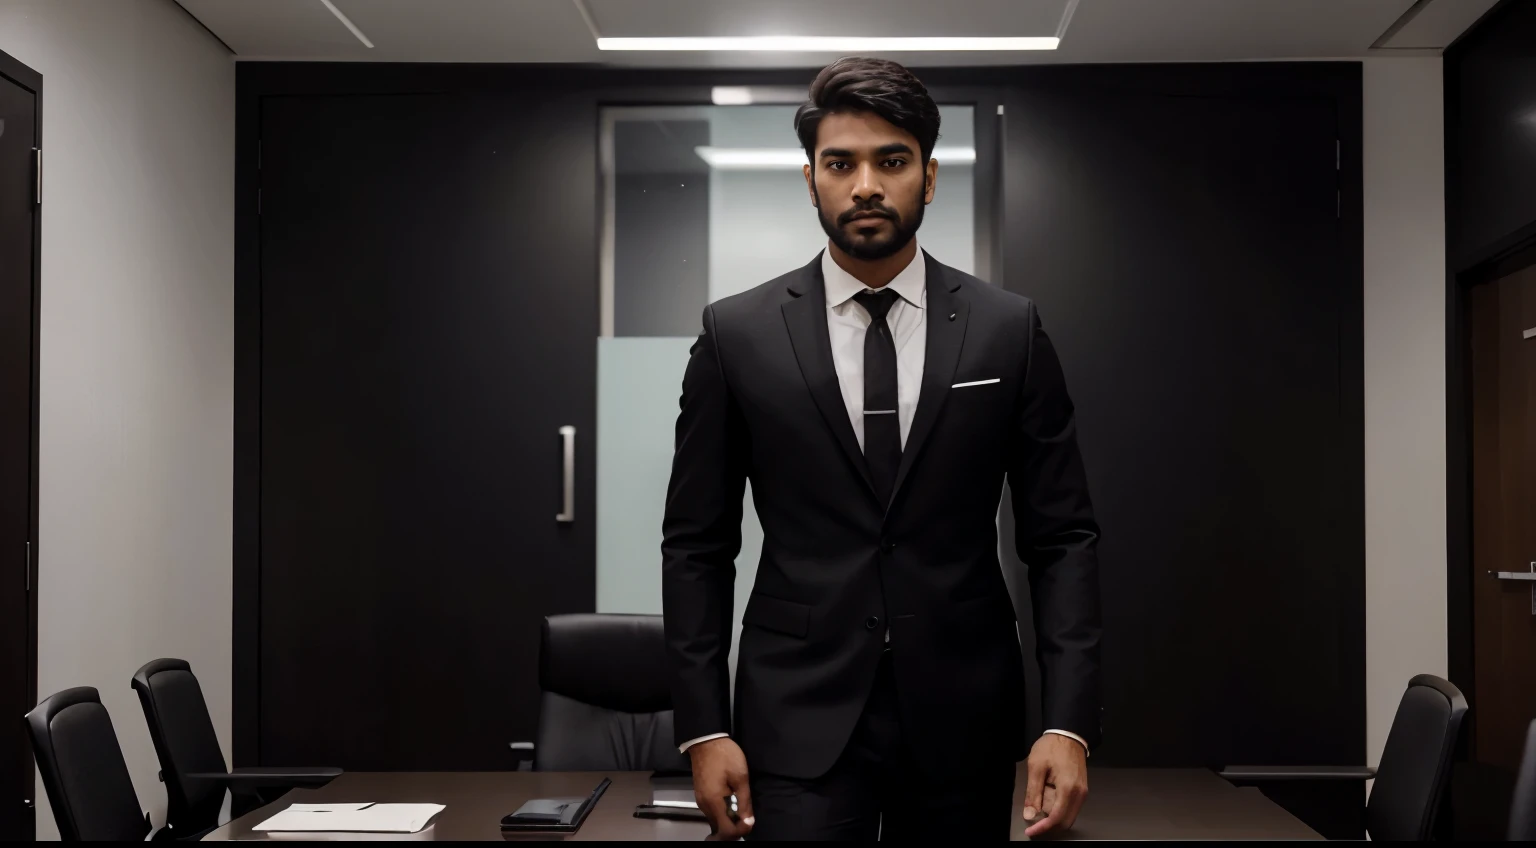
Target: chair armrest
x: 258, y: 777
x: 522, y: 755
x: 1253, y: 773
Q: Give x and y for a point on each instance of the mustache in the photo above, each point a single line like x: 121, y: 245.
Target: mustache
x: 869, y: 209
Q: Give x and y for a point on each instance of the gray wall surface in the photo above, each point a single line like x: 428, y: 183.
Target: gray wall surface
x: 137, y: 360
x: 1405, y: 508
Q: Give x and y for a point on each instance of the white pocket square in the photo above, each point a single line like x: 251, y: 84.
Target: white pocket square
x: 977, y: 383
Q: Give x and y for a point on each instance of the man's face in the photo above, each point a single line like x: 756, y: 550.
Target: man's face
x: 868, y: 184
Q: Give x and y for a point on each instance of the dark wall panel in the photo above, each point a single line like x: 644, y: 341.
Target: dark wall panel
x: 428, y: 311
x: 1187, y: 250
x: 1192, y: 234
x: 1491, y: 86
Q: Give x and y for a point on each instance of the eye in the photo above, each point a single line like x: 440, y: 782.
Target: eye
x: 894, y: 162
x: 836, y: 165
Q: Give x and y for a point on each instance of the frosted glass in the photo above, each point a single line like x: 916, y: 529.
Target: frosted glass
x: 638, y: 384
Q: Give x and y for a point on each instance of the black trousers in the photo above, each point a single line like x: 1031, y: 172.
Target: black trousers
x: 875, y: 791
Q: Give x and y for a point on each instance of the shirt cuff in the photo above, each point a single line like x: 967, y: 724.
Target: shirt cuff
x: 1067, y: 733
x: 683, y: 748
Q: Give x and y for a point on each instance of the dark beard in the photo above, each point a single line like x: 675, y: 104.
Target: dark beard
x: 869, y: 251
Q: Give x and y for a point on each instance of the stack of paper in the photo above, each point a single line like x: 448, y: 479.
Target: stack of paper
x: 352, y: 818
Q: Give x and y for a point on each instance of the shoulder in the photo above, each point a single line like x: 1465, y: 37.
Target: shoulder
x: 994, y: 299
x: 756, y: 301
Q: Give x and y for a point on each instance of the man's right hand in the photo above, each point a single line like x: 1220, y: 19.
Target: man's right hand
x: 720, y: 771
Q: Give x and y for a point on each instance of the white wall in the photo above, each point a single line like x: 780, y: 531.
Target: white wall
x: 137, y: 358
x: 1405, y: 556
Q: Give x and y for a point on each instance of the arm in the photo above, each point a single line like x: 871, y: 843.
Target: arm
x: 701, y: 535
x: 1056, y: 535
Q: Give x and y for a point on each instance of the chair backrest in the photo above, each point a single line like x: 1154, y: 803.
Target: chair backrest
x: 607, y: 701
x: 1410, y: 782
x: 83, y: 769
x: 185, y: 743
x: 1522, y: 807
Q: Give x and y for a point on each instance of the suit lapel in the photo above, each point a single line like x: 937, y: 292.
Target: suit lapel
x: 806, y: 318
x: 945, y: 338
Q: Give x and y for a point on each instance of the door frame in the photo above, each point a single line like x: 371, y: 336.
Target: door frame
x: 1512, y: 254
x: 18, y: 73
x: 1465, y: 267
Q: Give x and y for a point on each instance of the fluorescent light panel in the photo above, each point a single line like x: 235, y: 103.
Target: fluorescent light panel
x: 772, y: 158
x: 747, y: 95
x: 731, y: 95
x: 832, y: 43
x: 347, y: 22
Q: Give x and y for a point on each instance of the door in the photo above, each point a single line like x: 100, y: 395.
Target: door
x: 428, y: 305
x: 1503, y: 338
x: 18, y: 305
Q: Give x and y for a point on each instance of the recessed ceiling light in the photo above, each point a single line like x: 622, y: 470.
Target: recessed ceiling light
x: 832, y: 43
x: 769, y: 158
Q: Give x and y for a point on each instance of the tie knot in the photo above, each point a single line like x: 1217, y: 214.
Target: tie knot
x: 877, y: 303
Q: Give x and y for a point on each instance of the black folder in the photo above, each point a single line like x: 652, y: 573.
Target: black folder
x: 554, y: 815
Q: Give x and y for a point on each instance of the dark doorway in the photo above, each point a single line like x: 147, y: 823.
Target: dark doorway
x: 428, y: 314
x: 20, y: 127
x: 1502, y: 317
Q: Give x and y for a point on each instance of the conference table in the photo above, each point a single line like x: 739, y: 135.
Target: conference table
x: 1122, y: 804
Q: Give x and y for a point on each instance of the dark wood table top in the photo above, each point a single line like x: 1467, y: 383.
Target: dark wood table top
x: 1122, y: 804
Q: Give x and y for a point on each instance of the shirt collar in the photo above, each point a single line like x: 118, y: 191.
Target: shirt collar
x: 841, y: 286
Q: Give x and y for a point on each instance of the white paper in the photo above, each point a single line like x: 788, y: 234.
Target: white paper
x: 328, y: 808
x: 352, y: 818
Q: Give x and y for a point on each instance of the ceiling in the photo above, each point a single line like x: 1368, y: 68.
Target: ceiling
x: 1091, y: 30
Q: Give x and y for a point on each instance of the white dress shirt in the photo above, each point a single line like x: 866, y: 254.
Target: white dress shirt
x: 847, y: 322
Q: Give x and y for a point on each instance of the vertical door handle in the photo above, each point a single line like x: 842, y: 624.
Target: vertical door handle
x: 568, y: 473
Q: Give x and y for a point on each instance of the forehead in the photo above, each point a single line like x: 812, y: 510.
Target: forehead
x: 860, y: 131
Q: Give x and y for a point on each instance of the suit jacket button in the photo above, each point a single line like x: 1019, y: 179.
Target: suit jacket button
x: 872, y: 622
x: 887, y: 545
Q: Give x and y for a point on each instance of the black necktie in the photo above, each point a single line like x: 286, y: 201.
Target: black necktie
x: 882, y: 423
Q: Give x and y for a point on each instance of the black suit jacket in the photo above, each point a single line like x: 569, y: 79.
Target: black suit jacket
x: 761, y: 402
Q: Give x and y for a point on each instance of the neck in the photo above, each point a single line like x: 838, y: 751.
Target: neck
x: 874, y: 273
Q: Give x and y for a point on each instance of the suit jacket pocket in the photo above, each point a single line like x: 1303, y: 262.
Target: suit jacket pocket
x: 778, y: 615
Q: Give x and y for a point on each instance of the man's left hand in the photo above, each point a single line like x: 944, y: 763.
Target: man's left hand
x: 1057, y: 786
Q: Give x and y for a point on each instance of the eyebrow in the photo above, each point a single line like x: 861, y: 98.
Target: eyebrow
x: 883, y: 150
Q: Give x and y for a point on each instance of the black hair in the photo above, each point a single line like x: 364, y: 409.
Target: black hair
x: 877, y: 86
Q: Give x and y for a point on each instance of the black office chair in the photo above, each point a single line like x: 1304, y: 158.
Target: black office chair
x: 1522, y: 807
x: 83, y: 769
x: 607, y: 703
x: 1415, y: 764
x: 191, y: 763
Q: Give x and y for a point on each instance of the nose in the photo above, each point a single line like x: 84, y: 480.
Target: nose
x: 866, y: 184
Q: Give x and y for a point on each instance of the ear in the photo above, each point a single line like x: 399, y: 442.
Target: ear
x: 930, y: 180
x: 810, y: 184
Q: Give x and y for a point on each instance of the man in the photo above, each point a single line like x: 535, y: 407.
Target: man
x: 877, y: 400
